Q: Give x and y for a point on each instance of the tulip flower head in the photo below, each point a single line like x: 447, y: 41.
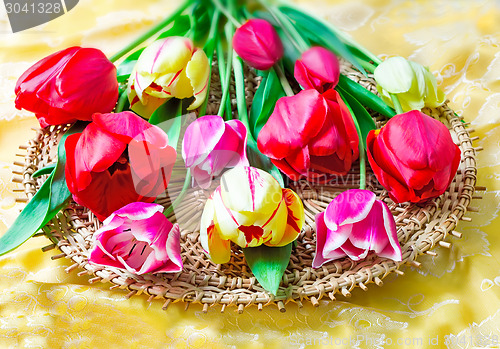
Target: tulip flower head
x: 249, y: 208
x: 317, y: 68
x: 258, y: 44
x: 68, y: 85
x: 414, y: 85
x: 308, y: 136
x: 119, y: 158
x: 211, y: 145
x: 167, y: 68
x: 413, y: 156
x: 352, y: 225
x: 140, y: 239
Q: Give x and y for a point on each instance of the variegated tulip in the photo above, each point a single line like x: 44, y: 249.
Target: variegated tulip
x: 249, y: 208
x: 414, y: 84
x: 354, y: 223
x: 168, y: 68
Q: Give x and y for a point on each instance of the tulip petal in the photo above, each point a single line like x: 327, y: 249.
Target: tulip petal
x: 349, y: 207
x: 353, y: 252
x: 392, y: 250
x: 135, y: 211
x: 322, y: 255
x: 294, y: 121
x: 394, y: 75
x: 218, y: 248
x: 317, y: 68
x: 336, y: 238
x: 167, y: 55
x: 295, y: 219
x: 195, y: 149
x: 173, y: 248
x: 198, y: 72
x: 123, y: 126
x: 250, y: 189
x: 225, y: 217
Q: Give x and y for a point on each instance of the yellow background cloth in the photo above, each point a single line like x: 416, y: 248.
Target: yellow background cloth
x: 452, y: 301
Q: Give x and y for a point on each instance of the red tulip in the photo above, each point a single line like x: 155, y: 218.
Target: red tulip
x: 118, y: 159
x: 413, y: 157
x: 308, y: 135
x: 68, y: 85
x: 258, y: 44
x: 317, y: 68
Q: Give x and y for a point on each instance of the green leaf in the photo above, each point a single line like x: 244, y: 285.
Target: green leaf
x: 319, y: 33
x: 46, y: 203
x: 43, y: 171
x: 259, y: 160
x: 180, y: 27
x: 365, y: 97
x: 268, y: 264
x: 264, y: 101
x: 365, y: 121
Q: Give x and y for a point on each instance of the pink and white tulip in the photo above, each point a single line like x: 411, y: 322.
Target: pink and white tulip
x: 353, y: 224
x: 140, y: 239
x: 211, y: 145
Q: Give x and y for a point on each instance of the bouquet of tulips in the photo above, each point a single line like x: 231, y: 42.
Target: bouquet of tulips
x: 128, y: 125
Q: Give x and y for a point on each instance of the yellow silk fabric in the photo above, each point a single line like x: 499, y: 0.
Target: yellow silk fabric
x: 452, y: 301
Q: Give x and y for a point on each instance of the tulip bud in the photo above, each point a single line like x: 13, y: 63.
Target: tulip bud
x: 258, y: 44
x: 168, y: 68
x: 352, y: 225
x: 414, y: 84
x: 413, y: 157
x: 68, y: 85
x: 210, y: 145
x: 317, y: 68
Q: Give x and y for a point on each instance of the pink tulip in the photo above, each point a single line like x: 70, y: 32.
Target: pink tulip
x: 317, y: 68
x: 139, y: 238
x: 258, y: 44
x: 353, y: 224
x: 210, y: 145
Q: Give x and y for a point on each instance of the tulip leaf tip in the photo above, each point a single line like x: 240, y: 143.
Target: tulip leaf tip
x: 268, y: 264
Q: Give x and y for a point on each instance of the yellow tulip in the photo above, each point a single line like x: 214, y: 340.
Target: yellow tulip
x: 168, y: 68
x: 413, y: 83
x: 249, y: 208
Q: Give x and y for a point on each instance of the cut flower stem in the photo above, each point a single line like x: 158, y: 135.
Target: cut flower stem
x: 180, y: 197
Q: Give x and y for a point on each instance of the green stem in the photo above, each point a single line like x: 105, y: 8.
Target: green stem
x: 361, y: 148
x: 178, y: 199
x: 225, y: 103
x: 288, y: 28
x: 367, y: 66
x: 226, y: 13
x: 151, y: 32
x: 397, y: 103
x: 284, y: 81
x: 121, y: 102
x: 239, y: 82
x: 210, y: 47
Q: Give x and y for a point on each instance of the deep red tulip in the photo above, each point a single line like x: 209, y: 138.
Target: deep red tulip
x: 258, y: 44
x: 308, y: 136
x: 317, y: 68
x: 68, y: 85
x: 413, y: 157
x: 118, y: 159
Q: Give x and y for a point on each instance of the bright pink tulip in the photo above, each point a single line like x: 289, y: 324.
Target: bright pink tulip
x: 210, y: 145
x: 139, y: 238
x: 353, y: 224
x: 258, y: 44
x: 68, y: 85
x: 317, y: 68
x: 413, y: 156
x: 118, y: 159
x: 308, y: 135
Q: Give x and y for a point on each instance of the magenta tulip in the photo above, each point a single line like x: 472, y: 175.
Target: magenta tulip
x: 258, y: 44
x: 310, y: 136
x: 317, y: 68
x: 140, y: 239
x: 413, y: 156
x: 211, y: 145
x: 353, y: 224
